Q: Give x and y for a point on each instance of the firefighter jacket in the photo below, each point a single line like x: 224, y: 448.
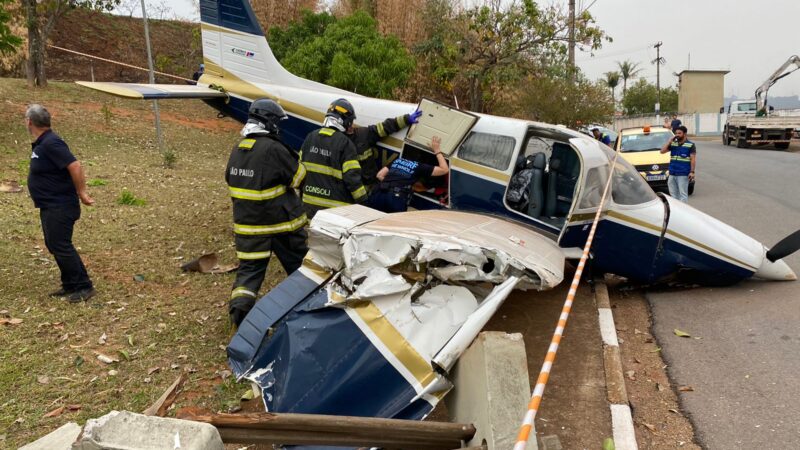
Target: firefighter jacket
x: 365, y: 139
x: 334, y: 174
x: 262, y: 175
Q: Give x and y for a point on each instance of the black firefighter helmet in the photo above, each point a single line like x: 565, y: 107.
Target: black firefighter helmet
x: 344, y: 110
x: 268, y: 112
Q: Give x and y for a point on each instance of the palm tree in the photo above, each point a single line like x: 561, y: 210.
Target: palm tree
x: 627, y: 70
x: 612, y: 81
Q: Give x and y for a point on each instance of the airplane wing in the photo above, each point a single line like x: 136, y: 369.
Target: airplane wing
x: 154, y: 91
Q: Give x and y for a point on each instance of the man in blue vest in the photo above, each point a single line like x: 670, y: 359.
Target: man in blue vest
x: 681, y: 164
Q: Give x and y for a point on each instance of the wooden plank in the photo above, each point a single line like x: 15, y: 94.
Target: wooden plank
x: 296, y: 437
x: 341, y: 424
x: 159, y: 408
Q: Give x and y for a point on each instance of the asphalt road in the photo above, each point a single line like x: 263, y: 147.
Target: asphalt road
x: 745, y: 368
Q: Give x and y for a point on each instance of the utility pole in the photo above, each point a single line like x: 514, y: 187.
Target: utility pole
x: 572, y: 40
x: 159, y: 138
x: 658, y: 61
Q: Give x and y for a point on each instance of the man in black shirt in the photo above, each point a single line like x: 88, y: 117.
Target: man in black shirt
x: 57, y: 186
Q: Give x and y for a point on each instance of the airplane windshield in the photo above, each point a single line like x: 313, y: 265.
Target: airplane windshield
x: 628, y: 186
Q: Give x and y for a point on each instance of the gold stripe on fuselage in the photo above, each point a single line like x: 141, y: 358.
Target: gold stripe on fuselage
x: 657, y: 229
x: 493, y: 174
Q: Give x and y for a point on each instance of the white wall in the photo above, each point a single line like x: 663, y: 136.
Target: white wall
x: 704, y: 124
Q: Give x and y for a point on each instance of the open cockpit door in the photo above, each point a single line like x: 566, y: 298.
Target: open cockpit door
x: 450, y: 124
x: 588, y: 192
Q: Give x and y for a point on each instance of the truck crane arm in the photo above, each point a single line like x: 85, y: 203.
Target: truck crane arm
x: 761, y: 92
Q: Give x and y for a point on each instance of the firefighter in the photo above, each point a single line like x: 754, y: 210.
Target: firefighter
x: 365, y: 139
x: 268, y: 217
x: 334, y: 173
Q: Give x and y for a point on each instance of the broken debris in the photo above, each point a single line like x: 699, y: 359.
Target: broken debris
x: 159, y: 408
x: 208, y: 263
x: 10, y: 187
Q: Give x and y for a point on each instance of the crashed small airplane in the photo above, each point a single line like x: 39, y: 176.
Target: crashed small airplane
x: 645, y: 237
x: 383, y: 307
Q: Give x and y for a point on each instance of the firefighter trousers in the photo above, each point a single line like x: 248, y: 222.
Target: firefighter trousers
x: 254, y: 253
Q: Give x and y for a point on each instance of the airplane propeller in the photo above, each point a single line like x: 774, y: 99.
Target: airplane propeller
x: 785, y: 247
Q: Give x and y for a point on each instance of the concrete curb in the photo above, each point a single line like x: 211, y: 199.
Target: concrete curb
x: 621, y: 418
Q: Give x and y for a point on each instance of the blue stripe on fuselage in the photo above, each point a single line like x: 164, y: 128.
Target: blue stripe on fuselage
x: 629, y: 252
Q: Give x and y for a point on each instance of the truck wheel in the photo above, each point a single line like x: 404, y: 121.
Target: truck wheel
x: 781, y: 145
x: 742, y: 143
x: 726, y: 140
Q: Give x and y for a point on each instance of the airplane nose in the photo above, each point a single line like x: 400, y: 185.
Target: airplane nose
x: 777, y: 271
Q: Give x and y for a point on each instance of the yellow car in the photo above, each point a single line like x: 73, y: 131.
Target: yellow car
x: 641, y: 146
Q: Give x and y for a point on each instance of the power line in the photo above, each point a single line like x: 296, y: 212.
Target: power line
x: 611, y: 55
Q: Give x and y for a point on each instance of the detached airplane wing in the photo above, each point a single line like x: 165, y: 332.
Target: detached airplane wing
x: 154, y: 91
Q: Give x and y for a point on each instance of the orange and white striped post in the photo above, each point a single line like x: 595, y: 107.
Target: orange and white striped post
x: 544, y: 374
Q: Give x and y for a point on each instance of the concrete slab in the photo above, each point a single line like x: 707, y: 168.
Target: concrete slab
x: 60, y: 439
x: 492, y: 389
x: 129, y: 431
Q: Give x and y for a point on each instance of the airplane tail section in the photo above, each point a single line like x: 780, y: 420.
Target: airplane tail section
x: 235, y: 48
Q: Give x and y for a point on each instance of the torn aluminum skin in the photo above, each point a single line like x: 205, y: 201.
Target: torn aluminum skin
x: 383, y: 307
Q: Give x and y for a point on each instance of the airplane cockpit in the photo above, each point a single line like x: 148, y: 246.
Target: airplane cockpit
x: 543, y: 183
x: 538, y: 174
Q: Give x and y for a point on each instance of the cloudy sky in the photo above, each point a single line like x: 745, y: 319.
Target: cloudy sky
x: 751, y: 38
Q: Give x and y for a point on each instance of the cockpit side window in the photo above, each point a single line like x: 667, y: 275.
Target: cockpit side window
x: 490, y: 150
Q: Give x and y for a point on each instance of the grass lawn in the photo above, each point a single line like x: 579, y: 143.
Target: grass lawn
x: 170, y: 322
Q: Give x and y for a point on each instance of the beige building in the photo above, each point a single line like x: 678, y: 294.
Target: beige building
x: 701, y: 91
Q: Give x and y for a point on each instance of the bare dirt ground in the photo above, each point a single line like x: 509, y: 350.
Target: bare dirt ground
x: 657, y: 415
x: 574, y: 406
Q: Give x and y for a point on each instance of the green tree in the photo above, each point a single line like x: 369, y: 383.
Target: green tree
x: 474, y: 51
x: 612, y: 81
x: 287, y: 40
x: 557, y: 98
x: 40, y: 18
x: 642, y: 97
x: 348, y: 53
x: 8, y: 42
x: 627, y: 70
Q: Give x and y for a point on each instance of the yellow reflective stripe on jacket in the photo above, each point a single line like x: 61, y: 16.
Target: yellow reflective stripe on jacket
x: 253, y: 255
x: 366, y: 155
x: 327, y: 131
x: 298, y: 176
x: 250, y: 194
x: 350, y: 165
x: 325, y: 170
x: 247, y: 143
x: 323, y: 202
x: 242, y: 292
x: 381, y: 130
x: 283, y: 227
x: 678, y: 158
x: 358, y: 193
x: 401, y: 122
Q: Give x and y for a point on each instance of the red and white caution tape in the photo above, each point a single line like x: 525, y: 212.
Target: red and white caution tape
x: 544, y: 374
